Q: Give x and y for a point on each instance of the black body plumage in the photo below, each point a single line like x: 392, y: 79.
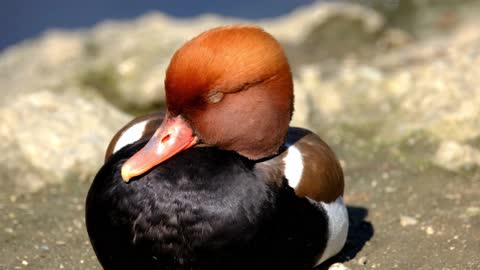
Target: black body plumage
x: 204, y: 208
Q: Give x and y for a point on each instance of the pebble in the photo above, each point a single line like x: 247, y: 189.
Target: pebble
x: 390, y: 189
x: 472, y: 211
x: 24, y: 262
x: 362, y: 260
x: 407, y: 221
x: 430, y: 230
x: 338, y: 266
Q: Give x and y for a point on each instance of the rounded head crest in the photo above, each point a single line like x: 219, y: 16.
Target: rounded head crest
x: 233, y: 85
x: 225, y: 59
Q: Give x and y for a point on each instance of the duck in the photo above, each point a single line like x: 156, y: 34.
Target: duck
x: 220, y: 180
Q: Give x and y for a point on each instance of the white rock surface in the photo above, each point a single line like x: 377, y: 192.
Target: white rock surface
x: 47, y: 138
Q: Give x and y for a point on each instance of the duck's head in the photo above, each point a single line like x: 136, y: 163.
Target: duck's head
x: 229, y: 87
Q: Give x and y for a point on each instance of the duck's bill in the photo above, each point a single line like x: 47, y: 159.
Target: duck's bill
x: 173, y: 135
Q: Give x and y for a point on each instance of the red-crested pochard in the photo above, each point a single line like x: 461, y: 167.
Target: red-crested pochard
x: 220, y: 181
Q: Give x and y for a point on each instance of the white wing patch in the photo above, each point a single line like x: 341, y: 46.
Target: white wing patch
x: 130, y: 135
x: 293, y: 166
x: 337, y: 228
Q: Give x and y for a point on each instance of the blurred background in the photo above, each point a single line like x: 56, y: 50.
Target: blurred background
x: 23, y: 19
x: 391, y: 85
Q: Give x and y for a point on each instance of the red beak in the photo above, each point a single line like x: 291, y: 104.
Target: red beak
x: 173, y: 135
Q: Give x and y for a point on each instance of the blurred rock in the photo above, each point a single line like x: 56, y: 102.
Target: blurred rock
x: 454, y: 156
x: 126, y: 61
x: 340, y: 30
x: 48, y: 63
x: 47, y: 138
x: 429, y: 88
x: 403, y: 88
x: 426, y: 18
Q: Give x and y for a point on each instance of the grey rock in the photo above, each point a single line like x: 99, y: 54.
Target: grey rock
x: 47, y: 138
x: 44, y: 79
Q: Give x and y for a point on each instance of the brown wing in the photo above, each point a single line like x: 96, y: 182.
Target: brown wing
x: 322, y: 175
x: 153, y: 122
x: 322, y: 178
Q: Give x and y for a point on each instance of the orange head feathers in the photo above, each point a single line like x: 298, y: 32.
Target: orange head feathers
x: 232, y: 88
x: 227, y: 60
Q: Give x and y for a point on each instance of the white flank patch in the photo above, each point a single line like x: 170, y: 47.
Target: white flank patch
x: 130, y: 135
x: 293, y: 166
x: 337, y: 228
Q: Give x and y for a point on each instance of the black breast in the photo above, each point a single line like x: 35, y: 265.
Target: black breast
x: 202, y: 209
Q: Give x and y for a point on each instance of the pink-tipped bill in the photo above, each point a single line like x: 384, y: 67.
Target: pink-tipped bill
x: 173, y: 135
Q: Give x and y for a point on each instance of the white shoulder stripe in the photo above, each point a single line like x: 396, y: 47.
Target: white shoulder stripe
x: 337, y: 228
x: 130, y: 135
x: 293, y: 166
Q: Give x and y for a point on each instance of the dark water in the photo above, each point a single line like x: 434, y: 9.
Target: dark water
x: 21, y: 19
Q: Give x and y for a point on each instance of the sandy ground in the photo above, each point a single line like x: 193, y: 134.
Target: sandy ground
x: 404, y: 215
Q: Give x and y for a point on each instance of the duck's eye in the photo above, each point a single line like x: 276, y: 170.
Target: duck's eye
x: 215, y: 96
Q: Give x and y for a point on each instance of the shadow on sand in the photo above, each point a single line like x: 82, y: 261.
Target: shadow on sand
x: 359, y: 232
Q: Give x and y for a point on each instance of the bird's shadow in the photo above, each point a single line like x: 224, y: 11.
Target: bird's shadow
x: 360, y: 232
